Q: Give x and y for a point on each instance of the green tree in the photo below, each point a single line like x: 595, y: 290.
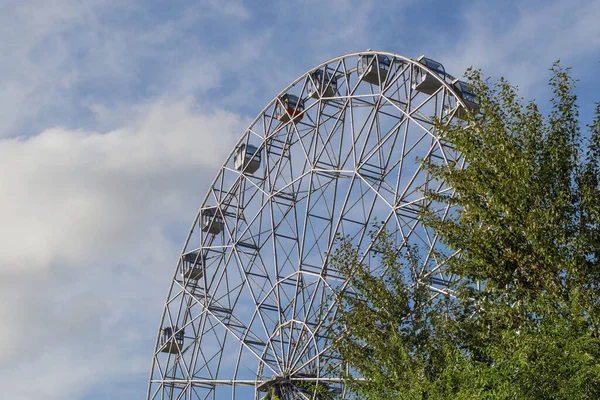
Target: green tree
x: 528, y: 227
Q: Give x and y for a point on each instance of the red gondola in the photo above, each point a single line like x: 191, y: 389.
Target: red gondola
x: 289, y: 107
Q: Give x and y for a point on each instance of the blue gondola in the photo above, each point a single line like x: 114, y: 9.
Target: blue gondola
x: 426, y: 82
x: 289, y: 107
x: 373, y: 68
x: 211, y: 221
x: 247, y: 158
x: 170, y: 343
x: 322, y: 84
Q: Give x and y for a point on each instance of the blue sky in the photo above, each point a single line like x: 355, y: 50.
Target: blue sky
x: 116, y: 116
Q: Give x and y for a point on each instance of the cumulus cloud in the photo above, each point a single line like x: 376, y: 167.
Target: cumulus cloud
x: 84, y: 244
x: 68, y: 189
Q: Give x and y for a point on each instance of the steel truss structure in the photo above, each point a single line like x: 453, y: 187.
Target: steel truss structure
x: 246, y: 310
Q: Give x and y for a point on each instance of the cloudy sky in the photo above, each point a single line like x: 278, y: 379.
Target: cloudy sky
x: 117, y: 114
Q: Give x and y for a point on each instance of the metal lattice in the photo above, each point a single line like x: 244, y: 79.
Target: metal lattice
x: 333, y: 151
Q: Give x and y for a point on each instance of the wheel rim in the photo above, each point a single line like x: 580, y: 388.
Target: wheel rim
x: 253, y: 314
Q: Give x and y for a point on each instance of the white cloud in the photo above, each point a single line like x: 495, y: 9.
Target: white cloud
x: 57, y: 57
x: 67, y: 190
x: 33, y: 55
x: 521, y: 42
x: 84, y: 246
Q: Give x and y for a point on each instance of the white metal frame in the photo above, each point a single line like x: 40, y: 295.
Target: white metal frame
x: 255, y: 317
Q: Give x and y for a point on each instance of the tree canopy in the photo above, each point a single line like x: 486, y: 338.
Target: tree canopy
x: 528, y: 229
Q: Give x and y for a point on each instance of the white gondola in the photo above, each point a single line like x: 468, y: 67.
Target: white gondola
x: 425, y: 81
x: 322, y: 84
x: 467, y: 93
x: 247, y: 159
x: 193, y: 265
x: 211, y: 221
x: 170, y: 343
x: 373, y: 68
x: 289, y: 107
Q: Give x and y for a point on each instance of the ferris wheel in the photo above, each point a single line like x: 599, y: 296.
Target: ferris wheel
x: 337, y: 149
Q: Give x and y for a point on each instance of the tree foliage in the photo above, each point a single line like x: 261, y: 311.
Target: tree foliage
x: 529, y: 229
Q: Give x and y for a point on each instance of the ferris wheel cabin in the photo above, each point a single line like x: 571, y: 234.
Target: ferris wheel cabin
x: 247, y: 158
x: 467, y: 93
x: 322, y: 84
x: 425, y: 81
x: 373, y: 68
x: 289, y: 108
x: 170, y: 343
x: 211, y: 221
x: 193, y: 265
